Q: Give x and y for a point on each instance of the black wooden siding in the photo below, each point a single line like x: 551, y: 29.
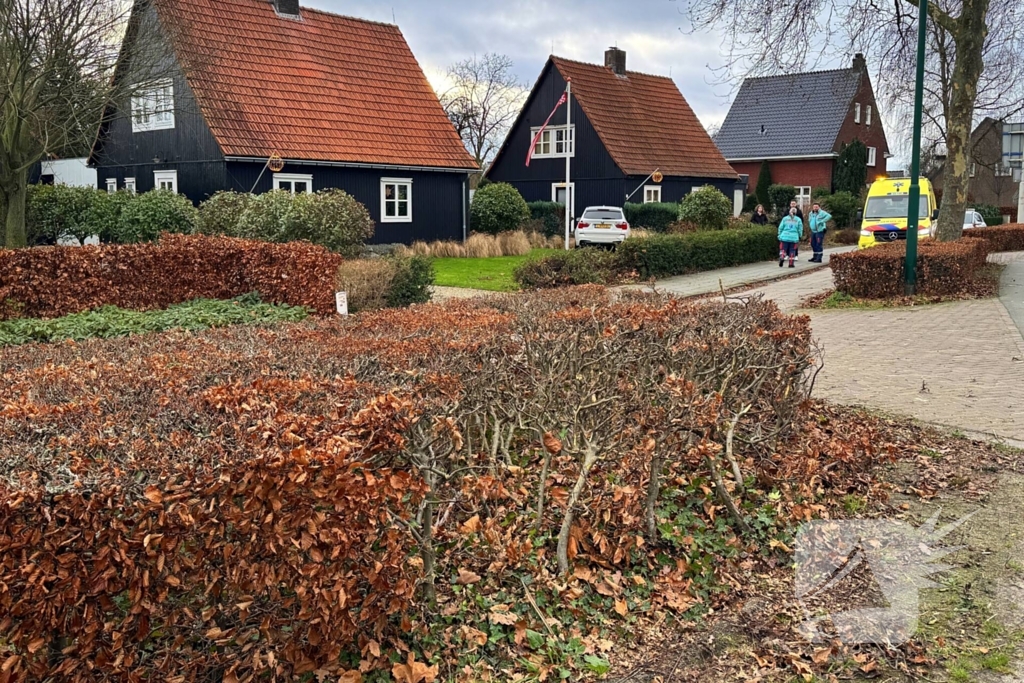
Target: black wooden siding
x: 438, y: 198
x: 597, y: 179
x: 189, y: 147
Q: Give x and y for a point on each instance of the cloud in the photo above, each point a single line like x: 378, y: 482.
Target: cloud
x: 652, y: 32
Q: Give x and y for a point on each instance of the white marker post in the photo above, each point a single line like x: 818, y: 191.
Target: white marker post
x: 341, y: 300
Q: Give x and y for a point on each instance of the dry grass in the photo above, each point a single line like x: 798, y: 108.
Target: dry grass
x: 367, y: 282
x: 517, y: 243
x: 483, y: 246
x: 640, y: 233
x: 514, y: 243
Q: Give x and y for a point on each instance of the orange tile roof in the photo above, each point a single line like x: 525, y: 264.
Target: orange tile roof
x: 323, y: 88
x: 644, y: 122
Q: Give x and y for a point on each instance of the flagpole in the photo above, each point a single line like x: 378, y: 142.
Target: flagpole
x: 570, y: 146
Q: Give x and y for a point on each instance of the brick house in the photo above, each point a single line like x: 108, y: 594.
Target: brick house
x: 995, y: 156
x: 799, y: 123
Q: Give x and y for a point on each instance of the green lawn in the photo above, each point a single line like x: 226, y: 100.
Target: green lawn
x: 492, y: 274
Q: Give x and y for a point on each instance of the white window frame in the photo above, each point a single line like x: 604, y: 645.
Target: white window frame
x: 547, y: 144
x: 872, y: 156
x: 129, y: 184
x: 165, y: 177
x: 867, y: 115
x: 974, y: 169
x: 555, y: 187
x: 803, y: 196
x: 291, y: 179
x: 396, y: 182
x: 856, y: 112
x: 653, y: 190
x: 1004, y: 171
x: 153, y: 108
x: 111, y: 185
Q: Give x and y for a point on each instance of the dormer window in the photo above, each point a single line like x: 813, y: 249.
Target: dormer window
x: 153, y: 107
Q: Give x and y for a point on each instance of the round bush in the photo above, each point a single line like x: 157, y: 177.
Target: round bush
x: 498, y: 207
x: 221, y: 213
x: 53, y: 212
x: 267, y: 217
x: 707, y: 207
x: 105, y: 215
x: 147, y: 215
x: 333, y: 219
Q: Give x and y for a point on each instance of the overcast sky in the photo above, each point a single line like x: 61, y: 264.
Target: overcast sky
x: 442, y: 32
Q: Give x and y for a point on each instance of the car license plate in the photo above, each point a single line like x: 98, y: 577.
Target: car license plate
x: 603, y: 226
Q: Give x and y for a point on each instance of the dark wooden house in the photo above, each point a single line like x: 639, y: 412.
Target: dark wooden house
x: 341, y: 101
x: 624, y: 127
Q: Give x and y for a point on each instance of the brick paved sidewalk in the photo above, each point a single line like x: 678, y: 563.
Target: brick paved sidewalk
x: 959, y: 364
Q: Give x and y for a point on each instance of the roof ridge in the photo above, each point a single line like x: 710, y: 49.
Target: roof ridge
x: 601, y: 66
x: 346, y: 16
x: 801, y: 73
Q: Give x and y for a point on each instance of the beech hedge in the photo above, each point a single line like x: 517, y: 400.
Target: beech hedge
x: 943, y: 268
x: 1001, y: 238
x: 50, y: 282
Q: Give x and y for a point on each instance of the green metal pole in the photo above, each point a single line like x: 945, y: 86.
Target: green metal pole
x: 913, y: 220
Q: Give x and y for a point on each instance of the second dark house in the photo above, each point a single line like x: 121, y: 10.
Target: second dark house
x: 624, y: 127
x: 337, y: 102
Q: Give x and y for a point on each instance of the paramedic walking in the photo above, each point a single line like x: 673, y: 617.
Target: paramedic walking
x: 791, y: 229
x: 819, y: 219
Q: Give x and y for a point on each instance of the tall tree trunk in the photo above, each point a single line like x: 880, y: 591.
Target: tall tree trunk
x: 16, y: 191
x: 970, y: 44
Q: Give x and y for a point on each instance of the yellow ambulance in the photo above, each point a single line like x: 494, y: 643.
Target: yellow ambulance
x: 886, y: 209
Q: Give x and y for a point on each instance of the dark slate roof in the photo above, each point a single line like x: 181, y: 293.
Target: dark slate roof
x: 799, y: 114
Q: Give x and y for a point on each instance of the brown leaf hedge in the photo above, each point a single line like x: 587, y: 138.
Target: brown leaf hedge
x: 943, y: 268
x: 248, y: 504
x: 49, y: 282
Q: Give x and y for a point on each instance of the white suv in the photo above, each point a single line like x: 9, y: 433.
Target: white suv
x: 601, y: 225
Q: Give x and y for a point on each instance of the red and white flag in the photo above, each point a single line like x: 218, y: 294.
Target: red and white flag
x: 536, y: 138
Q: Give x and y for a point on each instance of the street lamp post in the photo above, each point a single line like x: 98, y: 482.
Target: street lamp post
x: 913, y: 219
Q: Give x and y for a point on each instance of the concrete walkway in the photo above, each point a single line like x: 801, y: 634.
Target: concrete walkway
x: 714, y: 281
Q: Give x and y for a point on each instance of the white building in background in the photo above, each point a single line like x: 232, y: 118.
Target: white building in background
x: 74, y: 172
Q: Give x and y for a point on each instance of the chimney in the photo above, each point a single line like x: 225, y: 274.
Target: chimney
x: 859, y: 63
x: 615, y: 59
x: 287, y: 8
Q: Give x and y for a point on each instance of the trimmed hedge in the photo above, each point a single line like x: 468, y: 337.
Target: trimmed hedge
x: 576, y: 267
x: 667, y: 255
x: 551, y: 214
x: 50, y: 282
x: 1001, y: 238
x: 878, y: 273
x: 656, y: 216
